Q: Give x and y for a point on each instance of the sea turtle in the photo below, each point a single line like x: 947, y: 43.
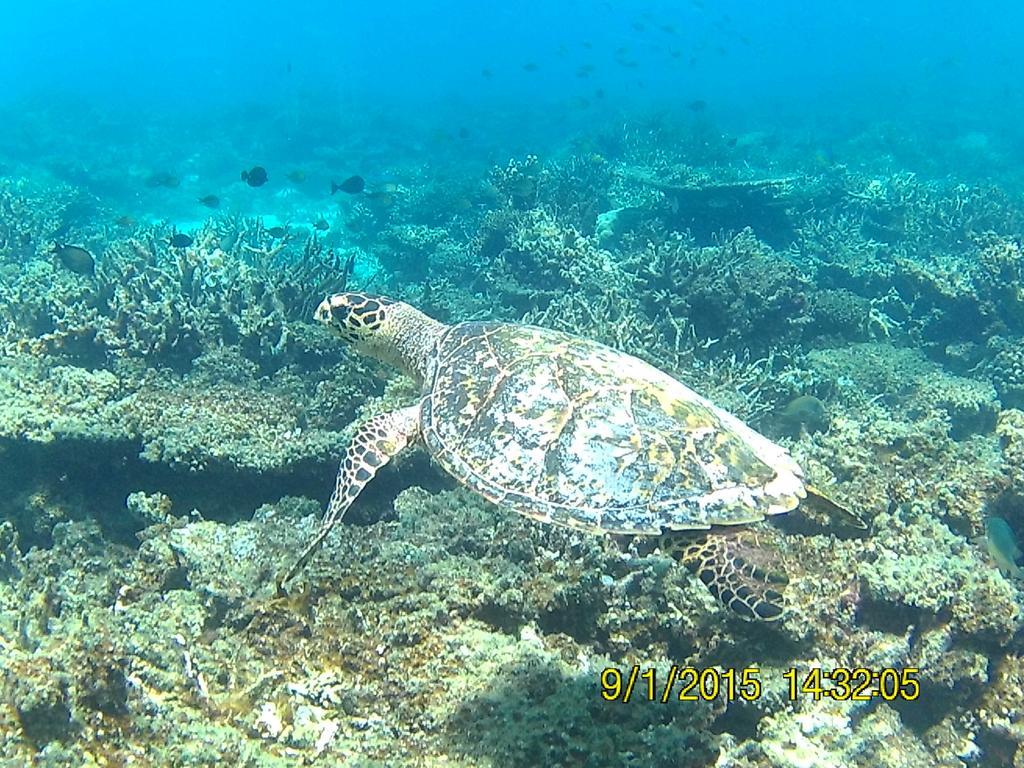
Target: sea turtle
x: 569, y: 431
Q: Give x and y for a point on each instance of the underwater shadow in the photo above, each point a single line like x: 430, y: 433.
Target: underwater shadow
x: 532, y: 713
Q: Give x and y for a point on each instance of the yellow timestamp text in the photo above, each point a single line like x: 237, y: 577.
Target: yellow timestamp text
x: 854, y: 684
x: 683, y: 683
x: 693, y: 684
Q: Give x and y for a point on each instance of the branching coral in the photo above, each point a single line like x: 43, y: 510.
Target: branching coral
x: 537, y: 258
x: 738, y: 291
x: 234, y: 285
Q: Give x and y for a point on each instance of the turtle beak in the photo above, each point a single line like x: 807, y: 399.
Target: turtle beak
x: 323, y: 312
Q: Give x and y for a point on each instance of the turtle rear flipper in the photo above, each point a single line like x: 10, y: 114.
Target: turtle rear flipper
x: 732, y: 566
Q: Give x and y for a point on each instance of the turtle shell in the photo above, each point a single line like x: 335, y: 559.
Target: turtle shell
x: 569, y: 431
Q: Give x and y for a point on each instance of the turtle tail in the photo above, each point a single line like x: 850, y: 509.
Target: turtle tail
x: 734, y: 569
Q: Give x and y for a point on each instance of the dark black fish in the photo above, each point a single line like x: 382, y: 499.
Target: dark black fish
x: 210, y: 201
x: 277, y: 232
x: 181, y: 241
x: 321, y: 225
x: 353, y: 185
x: 76, y: 258
x: 256, y: 176
x: 697, y: 105
x: 162, y: 179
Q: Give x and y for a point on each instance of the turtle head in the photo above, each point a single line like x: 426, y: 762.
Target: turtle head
x: 355, y: 317
x: 388, y: 330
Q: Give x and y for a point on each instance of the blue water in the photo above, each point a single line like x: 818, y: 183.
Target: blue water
x: 881, y: 279
x: 205, y: 89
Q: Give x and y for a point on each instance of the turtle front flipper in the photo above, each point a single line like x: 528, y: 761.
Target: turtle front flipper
x: 375, y: 443
x: 734, y: 568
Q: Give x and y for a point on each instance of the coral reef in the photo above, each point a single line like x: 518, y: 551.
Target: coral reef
x: 868, y: 320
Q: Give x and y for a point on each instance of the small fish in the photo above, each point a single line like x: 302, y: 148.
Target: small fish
x: 321, y: 225
x: 530, y: 67
x: 805, y: 412
x: 1002, y: 546
x: 179, y: 240
x: 277, y: 232
x: 76, y: 258
x: 210, y: 201
x: 380, y: 198
x: 697, y: 105
x: 256, y: 176
x: 486, y: 73
x: 162, y: 179
x: 731, y: 141
x: 125, y: 221
x: 353, y: 185
x: 296, y: 177
x: 463, y: 132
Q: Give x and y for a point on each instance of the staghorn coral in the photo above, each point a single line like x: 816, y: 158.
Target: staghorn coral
x: 34, y: 214
x: 518, y: 182
x: 540, y: 258
x: 1001, y: 282
x: 167, y: 304
x: 737, y: 292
